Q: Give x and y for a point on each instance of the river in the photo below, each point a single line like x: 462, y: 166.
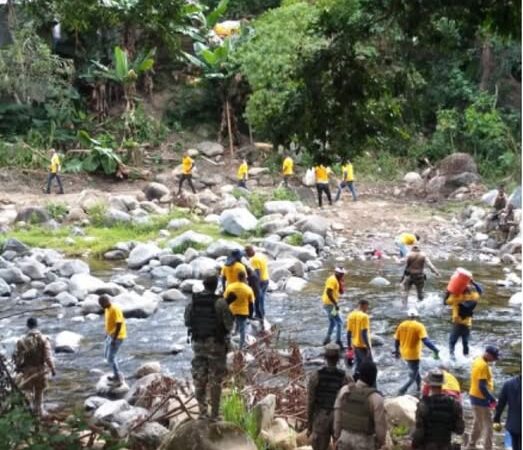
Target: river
x: 299, y: 318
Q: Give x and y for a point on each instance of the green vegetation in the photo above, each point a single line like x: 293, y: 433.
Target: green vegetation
x: 257, y: 199
x: 57, y: 210
x: 295, y: 239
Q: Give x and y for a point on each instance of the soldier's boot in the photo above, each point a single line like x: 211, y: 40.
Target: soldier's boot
x: 216, y: 393
x: 201, y: 397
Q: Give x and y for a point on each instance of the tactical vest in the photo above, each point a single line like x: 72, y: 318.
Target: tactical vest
x: 329, y: 384
x: 204, y: 320
x: 440, y: 419
x: 356, y: 414
x: 30, y: 351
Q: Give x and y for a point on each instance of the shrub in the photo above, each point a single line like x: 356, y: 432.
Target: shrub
x: 282, y: 193
x: 96, y: 214
x: 295, y: 239
x: 57, y: 210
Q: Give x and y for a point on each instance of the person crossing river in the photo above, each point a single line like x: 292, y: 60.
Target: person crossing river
x: 334, y: 287
x: 414, y: 273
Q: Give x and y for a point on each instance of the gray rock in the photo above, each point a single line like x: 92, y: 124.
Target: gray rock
x: 237, y: 221
x: 413, y: 178
x: 183, y: 271
x: 212, y: 218
x: 222, y: 247
x: 190, y: 254
x: 105, y: 388
x: 90, y: 305
x: 189, y: 238
x: 56, y: 287
x: 512, y: 247
x: 14, y: 245
x: 456, y: 164
x: 314, y: 239
x: 148, y: 368
x: 274, y: 226
x: 171, y: 260
x: 191, y: 286
x: 489, y: 197
x: 148, y: 436
x: 74, y: 266
x: 127, y: 280
x: 83, y: 284
x: 282, y: 250
x: 293, y: 265
x: 33, y: 269
x: 314, y: 224
x: 142, y: 254
x: 138, y: 306
x: 111, y: 289
x: 155, y: 191
x: 113, y: 216
x: 279, y: 207
x: 280, y: 273
x: 515, y: 198
x: 163, y: 272
x: 173, y: 295
x: 152, y: 208
x: 115, y: 255
x: 203, y: 267
x: 210, y: 149
x: 67, y: 342
x: 14, y: 275
x: 379, y: 282
x: 176, y: 224
x: 66, y: 299
x: 295, y: 284
x: 32, y: 215
x: 94, y: 402
x: 30, y: 294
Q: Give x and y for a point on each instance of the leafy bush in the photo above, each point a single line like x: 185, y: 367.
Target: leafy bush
x: 97, y: 213
x: 282, y: 193
x: 256, y: 202
x: 57, y: 210
x: 295, y: 239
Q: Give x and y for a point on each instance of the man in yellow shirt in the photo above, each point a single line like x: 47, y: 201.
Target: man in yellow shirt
x: 482, y: 399
x: 358, y: 334
x: 347, y: 181
x: 240, y: 297
x: 321, y: 174
x: 331, y: 295
x: 243, y: 173
x: 409, y: 337
x: 404, y: 241
x: 187, y: 167
x: 261, y: 272
x: 116, y: 333
x: 287, y: 170
x: 54, y: 170
x: 462, y: 309
x: 232, y: 268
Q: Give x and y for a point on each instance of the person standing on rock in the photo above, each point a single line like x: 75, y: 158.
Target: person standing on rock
x: 261, y: 271
x: 358, y: 334
x: 404, y: 241
x: 500, y: 202
x: 462, y: 310
x: 414, y: 273
x: 359, y: 413
x: 54, y: 172
x: 482, y: 398
x: 511, y: 394
x: 243, y: 173
x: 32, y: 359
x: 409, y: 337
x: 287, y: 170
x: 187, y: 167
x: 116, y: 332
x: 240, y: 297
x: 210, y: 323
x: 437, y: 417
x: 321, y: 174
x: 334, y: 287
x: 232, y: 268
x: 323, y: 387
x: 347, y: 181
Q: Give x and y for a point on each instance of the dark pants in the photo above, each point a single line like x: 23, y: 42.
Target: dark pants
x: 322, y: 429
x: 187, y: 177
x: 417, y: 280
x: 50, y: 178
x: 516, y: 441
x: 321, y: 188
x: 414, y: 377
x: 350, y: 187
x: 459, y: 331
x: 286, y: 179
x: 242, y: 184
x: 259, y: 307
x: 360, y: 355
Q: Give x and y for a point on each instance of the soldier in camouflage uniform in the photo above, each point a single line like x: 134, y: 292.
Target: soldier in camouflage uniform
x: 210, y: 322
x: 323, y: 387
x: 32, y: 358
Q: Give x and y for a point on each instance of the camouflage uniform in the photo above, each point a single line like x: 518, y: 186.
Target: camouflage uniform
x: 210, y: 325
x: 32, y: 358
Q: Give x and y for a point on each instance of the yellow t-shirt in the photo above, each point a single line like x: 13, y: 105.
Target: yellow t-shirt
x: 349, y: 171
x: 408, y: 239
x: 480, y: 371
x: 243, y: 170
x: 288, y: 166
x: 114, y: 315
x: 331, y: 283
x: 322, y: 174
x: 259, y: 262
x: 455, y: 300
x: 244, y: 296
x: 187, y: 163
x: 357, y: 321
x: 231, y: 272
x: 450, y: 382
x: 410, y: 334
x: 55, y: 163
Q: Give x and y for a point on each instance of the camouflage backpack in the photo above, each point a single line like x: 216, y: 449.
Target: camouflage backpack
x: 30, y: 351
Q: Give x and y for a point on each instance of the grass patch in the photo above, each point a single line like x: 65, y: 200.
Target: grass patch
x: 381, y: 166
x: 57, y: 210
x: 295, y: 239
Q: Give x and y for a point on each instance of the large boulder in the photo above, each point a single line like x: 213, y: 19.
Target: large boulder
x: 401, y: 411
x: 67, y: 342
x: 65, y: 299
x: 183, y: 272
x: 515, y: 198
x: 295, y: 284
x: 141, y: 392
x: 316, y: 240
x: 456, y: 164
x: 33, y: 269
x: 413, y: 178
x: 90, y: 199
x: 264, y: 411
x: 222, y: 247
x: 155, y: 191
x: 5, y: 289
x: 33, y: 215
x: 203, y: 267
x: 314, y: 224
x: 147, y: 369
x: 280, y: 435
x: 56, y: 287
x: 138, y: 306
x: 489, y: 197
x: 114, y: 216
x: 237, y: 221
x: 14, y: 275
x: 148, y: 436
x: 189, y: 238
x: 210, y: 149
x: 173, y: 295
x: 74, y: 266
x: 293, y: 265
x: 206, y: 435
x: 279, y: 206
x: 142, y: 254
x: 163, y: 272
x: 119, y: 416
x: 282, y: 250
x: 83, y: 284
x: 14, y: 245
x: 176, y: 224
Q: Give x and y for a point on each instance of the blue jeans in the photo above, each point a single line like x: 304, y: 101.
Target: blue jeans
x: 414, y: 377
x: 334, y: 322
x: 402, y: 248
x: 241, y: 321
x: 110, y: 352
x: 459, y: 331
x: 260, y: 299
x: 350, y: 187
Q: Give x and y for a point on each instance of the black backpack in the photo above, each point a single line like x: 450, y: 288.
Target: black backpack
x: 466, y: 309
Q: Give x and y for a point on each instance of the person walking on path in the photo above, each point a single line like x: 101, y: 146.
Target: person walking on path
x: 409, y: 337
x: 482, y: 398
x: 242, y: 174
x: 334, y: 287
x: 260, y: 267
x: 323, y: 387
x: 404, y: 241
x: 54, y: 172
x: 116, y: 332
x: 210, y: 322
x: 414, y: 273
x: 511, y: 395
x: 358, y: 334
x: 232, y: 268
x: 347, y: 181
x: 437, y: 417
x: 287, y: 170
x: 359, y: 413
x: 240, y: 297
x: 462, y: 310
x: 33, y: 359
x: 187, y: 167
x: 321, y: 174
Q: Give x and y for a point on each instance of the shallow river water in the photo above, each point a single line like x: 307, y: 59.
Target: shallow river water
x: 299, y: 318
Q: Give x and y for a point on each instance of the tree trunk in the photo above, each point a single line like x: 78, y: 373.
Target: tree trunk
x: 486, y: 64
x: 229, y: 128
